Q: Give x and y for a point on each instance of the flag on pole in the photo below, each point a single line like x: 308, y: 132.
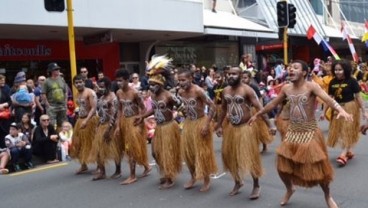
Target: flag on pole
x: 365, y: 36
x: 345, y: 35
x: 312, y: 33
x: 329, y: 47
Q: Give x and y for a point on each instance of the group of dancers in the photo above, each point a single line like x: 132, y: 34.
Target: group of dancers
x: 117, y: 129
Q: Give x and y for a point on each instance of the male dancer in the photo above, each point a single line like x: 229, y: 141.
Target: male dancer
x: 166, y: 143
x: 261, y: 128
x: 133, y: 136
x: 84, y: 129
x: 240, y: 152
x: 105, y: 146
x: 302, y: 156
x: 197, y: 141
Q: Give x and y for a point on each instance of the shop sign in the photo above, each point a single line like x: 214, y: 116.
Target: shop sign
x: 8, y: 50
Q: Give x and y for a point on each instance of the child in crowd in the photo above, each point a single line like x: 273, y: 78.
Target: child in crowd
x: 70, y: 112
x: 65, y: 141
x: 26, y: 126
x: 22, y: 96
x: 18, y: 145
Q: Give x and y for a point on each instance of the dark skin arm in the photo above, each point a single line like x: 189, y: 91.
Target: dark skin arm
x: 211, y: 111
x: 139, y: 119
x: 271, y: 105
x: 256, y: 103
x: 142, y: 110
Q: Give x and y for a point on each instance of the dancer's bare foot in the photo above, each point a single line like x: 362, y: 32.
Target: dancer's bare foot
x: 128, y: 181
x: 99, y: 177
x: 146, y: 172
x: 331, y: 203
x: 168, y: 184
x: 162, y: 181
x: 97, y: 171
x: 236, y: 188
x: 287, y: 196
x: 190, y: 184
x: 81, y: 170
x: 205, y: 187
x: 255, y: 193
x: 116, y: 175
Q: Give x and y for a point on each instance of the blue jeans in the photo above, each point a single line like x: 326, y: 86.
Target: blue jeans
x: 15, y: 153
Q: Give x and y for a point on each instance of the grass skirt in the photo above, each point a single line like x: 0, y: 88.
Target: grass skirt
x: 261, y: 130
x: 302, y: 156
x: 82, y: 139
x: 166, y: 149
x: 342, y: 132
x: 240, y: 153
x: 134, y: 138
x: 198, y: 152
x: 103, y: 150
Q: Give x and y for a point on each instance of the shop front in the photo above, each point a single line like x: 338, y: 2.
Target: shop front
x: 201, y: 53
x: 33, y: 56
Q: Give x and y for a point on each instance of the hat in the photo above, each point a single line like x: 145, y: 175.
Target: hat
x: 20, y: 77
x: 52, y: 66
x: 158, y: 78
x: 15, y: 125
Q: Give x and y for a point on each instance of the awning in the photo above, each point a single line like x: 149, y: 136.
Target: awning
x: 332, y: 32
x: 225, y: 23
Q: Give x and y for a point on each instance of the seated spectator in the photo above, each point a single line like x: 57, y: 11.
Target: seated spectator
x: 26, y: 126
x: 65, y: 136
x: 4, y: 158
x: 45, y: 139
x: 19, y: 145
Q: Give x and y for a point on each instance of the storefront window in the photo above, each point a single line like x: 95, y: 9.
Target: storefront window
x: 243, y: 3
x: 317, y: 6
x: 201, y: 53
x: 354, y: 11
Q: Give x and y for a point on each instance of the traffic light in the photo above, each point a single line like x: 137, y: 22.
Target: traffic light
x: 54, y: 5
x: 292, y: 15
x: 282, y: 14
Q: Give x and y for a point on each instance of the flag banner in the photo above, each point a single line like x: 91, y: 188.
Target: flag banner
x: 312, y: 33
x: 346, y: 36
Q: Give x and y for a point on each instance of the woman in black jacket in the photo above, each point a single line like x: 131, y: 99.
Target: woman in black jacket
x: 45, y: 139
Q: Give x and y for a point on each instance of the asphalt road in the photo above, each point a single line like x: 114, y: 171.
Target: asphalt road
x: 56, y: 186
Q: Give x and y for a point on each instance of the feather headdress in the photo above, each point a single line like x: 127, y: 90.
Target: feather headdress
x: 158, y: 63
x: 159, y: 70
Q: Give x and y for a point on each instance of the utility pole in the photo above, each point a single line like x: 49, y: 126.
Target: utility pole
x: 285, y: 40
x: 73, y: 64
